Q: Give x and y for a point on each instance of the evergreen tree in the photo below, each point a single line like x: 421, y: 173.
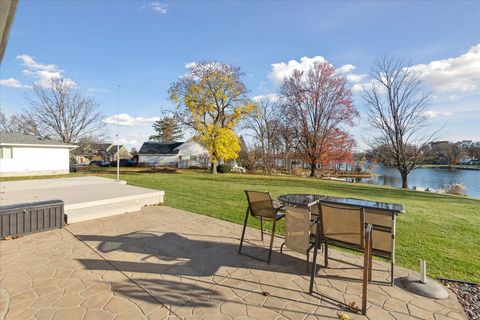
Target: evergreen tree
x: 167, y: 130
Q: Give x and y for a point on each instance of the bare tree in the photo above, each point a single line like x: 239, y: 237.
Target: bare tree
x: 287, y: 141
x: 18, y: 124
x: 4, y: 122
x: 316, y: 103
x: 396, y: 102
x: 61, y: 111
x: 264, y: 125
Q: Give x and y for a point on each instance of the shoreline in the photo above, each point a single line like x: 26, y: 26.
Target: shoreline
x: 446, y: 166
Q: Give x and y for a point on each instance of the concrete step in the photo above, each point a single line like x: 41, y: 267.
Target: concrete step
x: 108, y: 207
x: 85, y: 198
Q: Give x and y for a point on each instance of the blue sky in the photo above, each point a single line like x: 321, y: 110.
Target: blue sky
x: 143, y: 46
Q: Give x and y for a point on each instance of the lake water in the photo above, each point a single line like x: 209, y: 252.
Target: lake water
x: 432, y: 178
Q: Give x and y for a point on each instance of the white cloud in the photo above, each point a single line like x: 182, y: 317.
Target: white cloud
x: 460, y: 73
x: 12, y: 82
x: 42, y: 73
x: 190, y: 65
x: 346, y: 68
x: 448, y: 76
x: 436, y: 114
x: 355, y: 78
x: 127, y: 120
x: 282, y: 70
x: 29, y: 62
x: 271, y: 97
x: 156, y: 6
x: 358, y: 87
x: 128, y: 142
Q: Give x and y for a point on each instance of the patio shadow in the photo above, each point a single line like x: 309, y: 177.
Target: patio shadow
x: 201, y: 267
x: 173, y: 254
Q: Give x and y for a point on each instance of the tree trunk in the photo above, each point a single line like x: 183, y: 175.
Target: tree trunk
x: 313, y: 169
x: 214, y: 168
x: 404, y: 176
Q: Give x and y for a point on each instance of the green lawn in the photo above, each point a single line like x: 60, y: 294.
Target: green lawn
x: 443, y: 229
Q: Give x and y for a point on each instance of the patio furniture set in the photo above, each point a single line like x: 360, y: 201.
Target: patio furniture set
x: 313, y: 222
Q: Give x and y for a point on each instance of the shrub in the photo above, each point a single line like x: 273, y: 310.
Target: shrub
x: 224, y: 168
x: 296, y: 171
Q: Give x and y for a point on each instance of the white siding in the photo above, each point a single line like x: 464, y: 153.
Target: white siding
x: 185, y: 153
x: 159, y: 160
x: 36, y: 161
x: 192, y: 148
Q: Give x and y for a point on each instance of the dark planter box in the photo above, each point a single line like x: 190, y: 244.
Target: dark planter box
x: 32, y: 217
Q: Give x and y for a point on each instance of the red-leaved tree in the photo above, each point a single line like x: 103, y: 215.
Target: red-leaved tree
x: 317, y: 102
x: 339, y: 149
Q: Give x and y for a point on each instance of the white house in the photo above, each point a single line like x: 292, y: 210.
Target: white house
x: 179, y: 154
x: 24, y: 155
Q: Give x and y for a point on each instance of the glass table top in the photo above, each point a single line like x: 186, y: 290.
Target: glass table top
x: 311, y: 199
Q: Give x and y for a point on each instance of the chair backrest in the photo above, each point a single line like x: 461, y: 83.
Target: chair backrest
x: 383, y: 231
x: 260, y: 204
x: 342, y: 224
x: 297, y: 229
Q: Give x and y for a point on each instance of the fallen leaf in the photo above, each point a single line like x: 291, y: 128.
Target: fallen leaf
x: 353, y: 305
x: 265, y: 294
x: 7, y: 238
x: 343, y: 316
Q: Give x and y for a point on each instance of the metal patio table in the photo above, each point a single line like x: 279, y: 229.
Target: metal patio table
x: 377, y: 213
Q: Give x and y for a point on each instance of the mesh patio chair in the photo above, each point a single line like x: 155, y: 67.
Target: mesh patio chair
x: 383, y: 237
x: 299, y: 231
x: 262, y: 206
x: 344, y: 226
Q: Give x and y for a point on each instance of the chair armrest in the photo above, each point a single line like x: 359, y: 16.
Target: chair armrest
x: 277, y: 205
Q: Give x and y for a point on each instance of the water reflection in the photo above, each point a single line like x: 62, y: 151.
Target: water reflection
x: 434, y: 179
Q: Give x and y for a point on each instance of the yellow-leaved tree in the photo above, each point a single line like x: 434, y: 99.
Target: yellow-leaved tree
x: 212, y: 99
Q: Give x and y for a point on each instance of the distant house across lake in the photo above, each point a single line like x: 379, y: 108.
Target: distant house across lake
x: 178, y: 154
x: 25, y: 155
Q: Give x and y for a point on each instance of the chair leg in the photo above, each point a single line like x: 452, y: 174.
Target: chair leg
x: 326, y: 256
x: 261, y: 227
x: 367, y: 257
x: 271, y: 241
x: 243, y: 232
x: 392, y: 266
x: 370, y: 263
x: 281, y: 247
x: 314, y: 259
x: 308, y: 259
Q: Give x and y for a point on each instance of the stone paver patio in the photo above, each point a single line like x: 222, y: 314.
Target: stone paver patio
x: 164, y: 263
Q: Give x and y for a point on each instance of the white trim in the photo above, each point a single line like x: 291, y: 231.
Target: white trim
x: 38, y: 145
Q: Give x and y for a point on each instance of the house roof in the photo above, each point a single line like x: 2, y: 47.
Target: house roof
x: 101, y: 146
x: 113, y: 148
x: 23, y: 139
x: 7, y: 12
x: 150, y: 147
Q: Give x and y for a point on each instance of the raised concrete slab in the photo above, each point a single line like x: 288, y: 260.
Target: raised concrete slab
x: 85, y: 197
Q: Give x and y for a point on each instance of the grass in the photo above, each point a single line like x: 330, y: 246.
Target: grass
x: 443, y: 229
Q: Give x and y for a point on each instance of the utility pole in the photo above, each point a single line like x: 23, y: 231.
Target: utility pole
x: 118, y: 140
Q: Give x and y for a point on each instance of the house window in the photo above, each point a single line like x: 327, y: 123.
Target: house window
x: 6, y: 153
x: 179, y: 158
x: 193, y: 157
